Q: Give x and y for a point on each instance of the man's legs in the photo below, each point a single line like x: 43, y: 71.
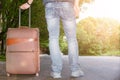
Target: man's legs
x: 70, y: 31
x: 69, y: 23
x: 55, y: 52
x: 53, y: 29
x: 66, y: 12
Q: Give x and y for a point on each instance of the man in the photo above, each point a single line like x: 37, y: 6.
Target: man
x: 66, y: 11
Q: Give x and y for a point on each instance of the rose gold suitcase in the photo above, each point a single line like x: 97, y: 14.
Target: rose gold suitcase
x: 22, y: 50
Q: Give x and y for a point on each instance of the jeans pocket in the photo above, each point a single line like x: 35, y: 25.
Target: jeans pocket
x: 49, y: 12
x: 68, y: 13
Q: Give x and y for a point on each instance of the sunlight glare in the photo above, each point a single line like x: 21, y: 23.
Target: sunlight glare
x: 101, y: 8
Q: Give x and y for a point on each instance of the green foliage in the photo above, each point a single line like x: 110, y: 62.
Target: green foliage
x: 9, y: 18
x: 9, y: 14
x: 81, y: 2
x: 62, y: 40
x: 39, y: 21
x: 95, y: 36
x: 63, y: 44
x: 2, y: 58
x: 98, y: 36
x: 112, y: 53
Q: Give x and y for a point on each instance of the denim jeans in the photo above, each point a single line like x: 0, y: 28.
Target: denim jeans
x: 56, y: 11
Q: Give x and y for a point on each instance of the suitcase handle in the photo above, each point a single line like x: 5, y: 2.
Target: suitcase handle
x: 28, y: 19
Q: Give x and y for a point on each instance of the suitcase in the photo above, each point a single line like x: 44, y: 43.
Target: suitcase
x: 22, y: 49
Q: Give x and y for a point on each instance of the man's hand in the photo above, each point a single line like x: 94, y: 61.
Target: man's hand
x: 76, y: 10
x: 24, y: 6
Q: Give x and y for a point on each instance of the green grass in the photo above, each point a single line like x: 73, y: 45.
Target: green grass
x: 112, y: 53
x: 109, y: 53
x: 2, y: 58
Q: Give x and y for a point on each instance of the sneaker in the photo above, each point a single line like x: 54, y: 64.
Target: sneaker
x: 55, y: 75
x: 78, y: 73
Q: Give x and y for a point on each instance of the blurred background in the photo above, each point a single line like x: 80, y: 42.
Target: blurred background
x: 98, y: 26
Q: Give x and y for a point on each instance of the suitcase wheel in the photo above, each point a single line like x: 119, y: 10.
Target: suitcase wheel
x: 37, y: 74
x: 8, y: 74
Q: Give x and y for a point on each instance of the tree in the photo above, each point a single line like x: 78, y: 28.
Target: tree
x: 9, y: 14
x: 10, y: 18
x: 98, y: 36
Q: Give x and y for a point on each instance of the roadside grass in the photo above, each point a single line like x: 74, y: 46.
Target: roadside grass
x: 112, y: 53
x: 109, y: 53
x: 2, y: 58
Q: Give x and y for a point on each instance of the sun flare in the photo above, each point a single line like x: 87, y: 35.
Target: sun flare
x: 101, y: 8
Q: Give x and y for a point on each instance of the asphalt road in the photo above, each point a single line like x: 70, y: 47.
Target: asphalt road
x: 94, y: 67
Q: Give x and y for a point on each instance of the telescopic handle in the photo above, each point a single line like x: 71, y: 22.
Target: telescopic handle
x: 29, y: 20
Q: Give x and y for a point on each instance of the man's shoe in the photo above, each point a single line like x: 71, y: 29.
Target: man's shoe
x: 78, y: 73
x: 56, y: 75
